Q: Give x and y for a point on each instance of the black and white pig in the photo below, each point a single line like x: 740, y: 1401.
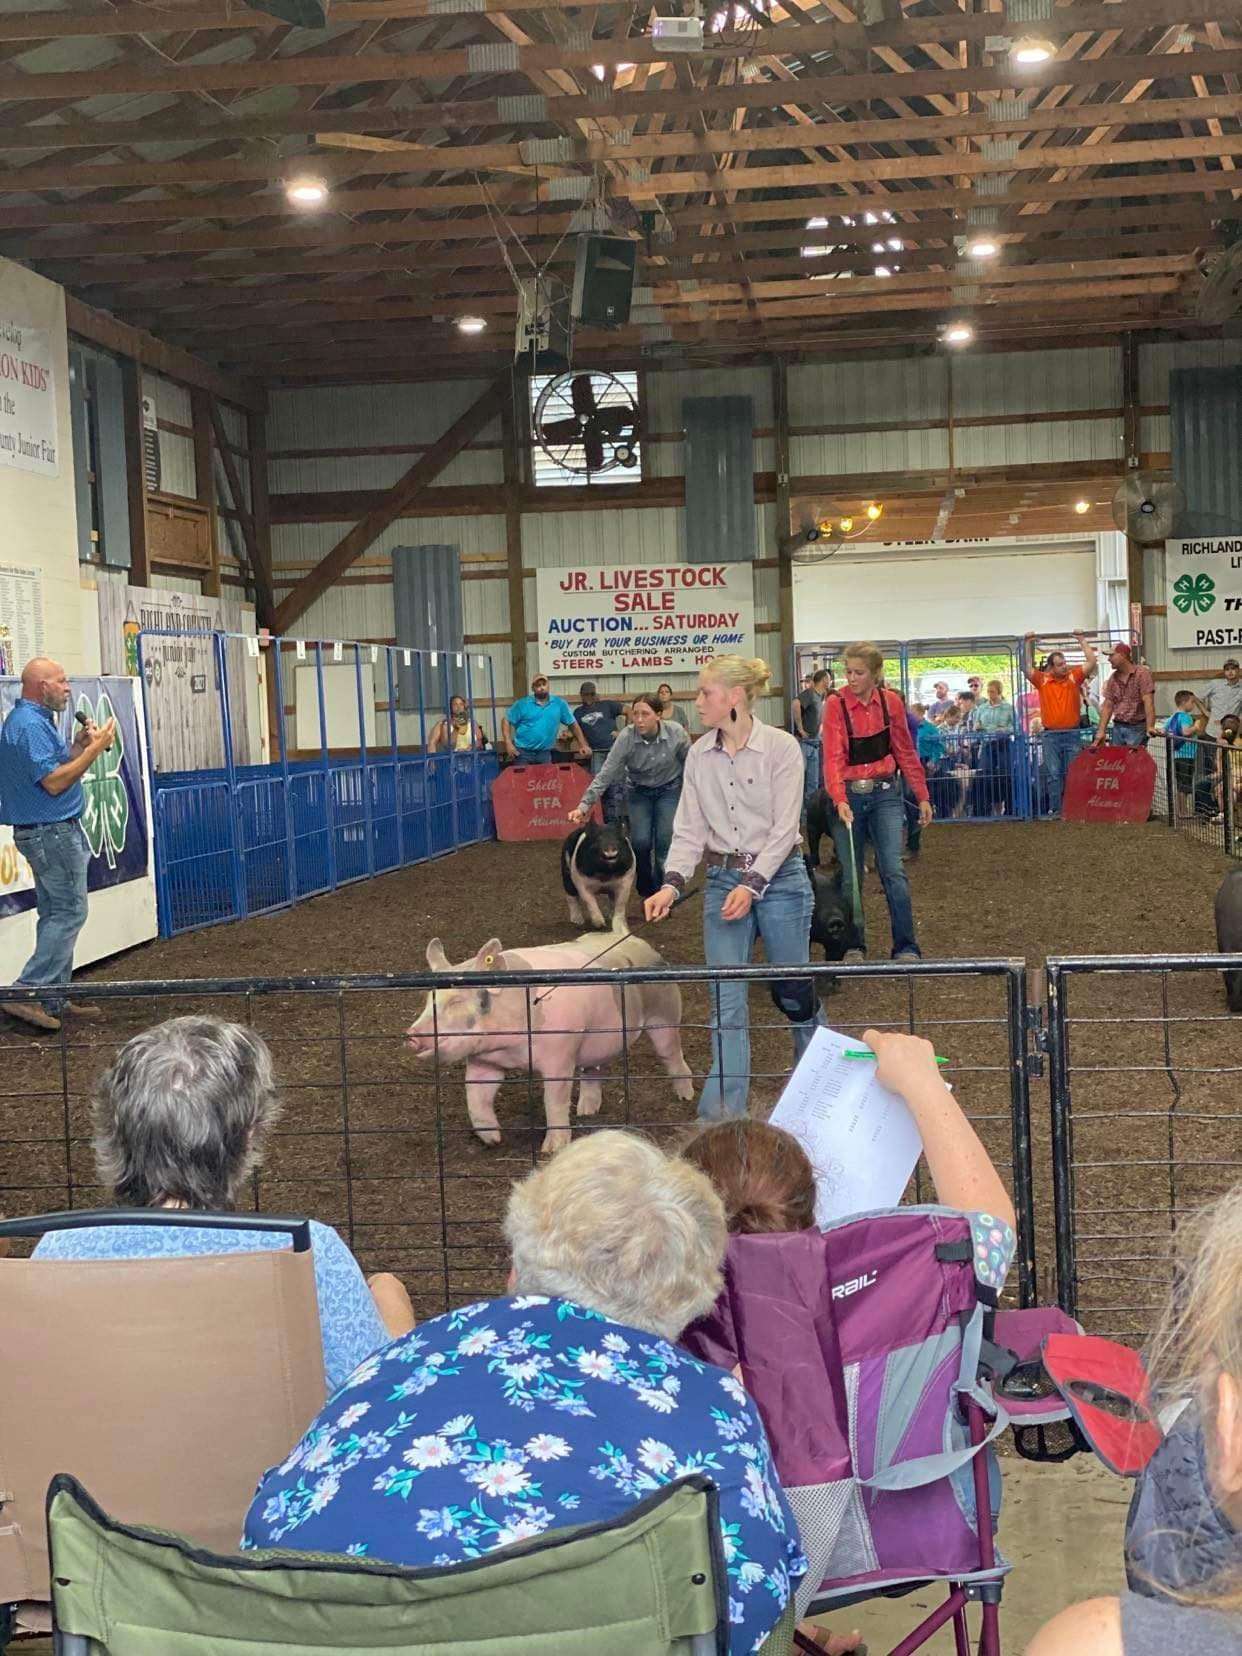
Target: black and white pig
x: 597, y: 862
x: 830, y: 918
x: 1229, y: 932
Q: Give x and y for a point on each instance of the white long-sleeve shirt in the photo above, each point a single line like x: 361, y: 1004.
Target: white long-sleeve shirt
x: 750, y: 801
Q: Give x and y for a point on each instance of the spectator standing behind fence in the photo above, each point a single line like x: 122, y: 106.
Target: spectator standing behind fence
x: 1060, y: 710
x: 41, y: 795
x: 1224, y: 695
x: 1183, y: 729
x: 1195, y: 1357
x: 181, y: 1118
x: 456, y: 734
x: 808, y: 708
x: 532, y: 725
x: 646, y: 761
x: 995, y: 721
x: 671, y: 708
x: 1229, y: 770
x: 563, y: 1403
x: 740, y: 810
x: 598, y: 722
x: 943, y: 702
x: 1128, y: 705
x: 867, y: 752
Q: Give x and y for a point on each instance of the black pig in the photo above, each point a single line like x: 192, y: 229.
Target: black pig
x: 830, y: 918
x: 821, y: 815
x: 597, y: 860
x: 1229, y: 932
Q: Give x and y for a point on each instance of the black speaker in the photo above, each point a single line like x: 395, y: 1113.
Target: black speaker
x: 603, y: 281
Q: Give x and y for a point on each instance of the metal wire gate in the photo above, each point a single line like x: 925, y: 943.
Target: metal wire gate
x: 377, y: 1142
x: 1146, y: 1082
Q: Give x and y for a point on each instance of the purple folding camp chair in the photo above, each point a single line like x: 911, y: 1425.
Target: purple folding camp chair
x: 870, y: 1353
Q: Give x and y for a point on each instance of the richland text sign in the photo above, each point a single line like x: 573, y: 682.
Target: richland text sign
x: 634, y: 618
x: 1203, y: 591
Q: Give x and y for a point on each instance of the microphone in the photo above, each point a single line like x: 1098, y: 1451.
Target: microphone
x: 81, y: 718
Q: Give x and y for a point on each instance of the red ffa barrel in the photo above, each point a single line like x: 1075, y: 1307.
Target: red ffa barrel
x: 1110, y: 784
x: 533, y: 802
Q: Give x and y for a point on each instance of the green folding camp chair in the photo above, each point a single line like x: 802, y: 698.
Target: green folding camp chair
x: 651, y: 1583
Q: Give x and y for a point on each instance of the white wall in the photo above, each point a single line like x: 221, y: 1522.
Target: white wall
x: 946, y: 592
x: 38, y: 521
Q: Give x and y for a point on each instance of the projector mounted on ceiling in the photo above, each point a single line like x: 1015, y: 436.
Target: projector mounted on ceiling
x: 303, y: 14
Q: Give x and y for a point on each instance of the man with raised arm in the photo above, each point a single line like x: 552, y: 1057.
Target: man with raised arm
x: 1060, y: 709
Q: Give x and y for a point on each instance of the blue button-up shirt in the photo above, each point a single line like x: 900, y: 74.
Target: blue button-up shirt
x: 31, y: 747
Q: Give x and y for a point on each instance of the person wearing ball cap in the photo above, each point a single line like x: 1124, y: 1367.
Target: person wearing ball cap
x: 1224, y: 695
x: 1128, y: 704
x: 41, y: 796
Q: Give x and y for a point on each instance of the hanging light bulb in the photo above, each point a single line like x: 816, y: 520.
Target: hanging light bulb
x: 875, y: 511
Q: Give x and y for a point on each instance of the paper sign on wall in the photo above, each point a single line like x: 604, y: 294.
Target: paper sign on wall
x: 28, y: 438
x: 1203, y: 592
x: 21, y: 617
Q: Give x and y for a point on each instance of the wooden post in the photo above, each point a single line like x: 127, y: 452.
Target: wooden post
x: 1132, y: 445
x: 780, y: 420
x: 205, y: 482
x: 261, y: 516
x: 135, y: 473
x: 510, y: 415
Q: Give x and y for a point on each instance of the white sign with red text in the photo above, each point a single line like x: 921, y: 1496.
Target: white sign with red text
x: 633, y: 618
x: 28, y: 438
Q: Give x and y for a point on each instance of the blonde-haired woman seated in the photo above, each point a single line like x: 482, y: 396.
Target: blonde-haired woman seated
x: 563, y: 1403
x: 1195, y: 1358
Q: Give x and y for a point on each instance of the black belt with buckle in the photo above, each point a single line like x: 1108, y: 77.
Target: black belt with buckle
x: 868, y: 784
x: 745, y: 860
x: 29, y: 827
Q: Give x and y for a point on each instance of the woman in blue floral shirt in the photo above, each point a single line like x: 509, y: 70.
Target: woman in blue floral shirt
x: 564, y: 1404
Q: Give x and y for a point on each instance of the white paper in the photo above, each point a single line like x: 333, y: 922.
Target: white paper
x: 374, y: 653
x: 862, y: 1140
x: 338, y: 649
x: 405, y: 658
x: 252, y: 647
x: 434, y: 658
x: 459, y: 658
x: 299, y: 649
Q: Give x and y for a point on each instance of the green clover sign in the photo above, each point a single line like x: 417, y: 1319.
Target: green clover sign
x: 105, y: 819
x: 1194, y: 594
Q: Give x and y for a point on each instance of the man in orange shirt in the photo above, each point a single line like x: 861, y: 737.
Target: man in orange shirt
x: 1060, y: 708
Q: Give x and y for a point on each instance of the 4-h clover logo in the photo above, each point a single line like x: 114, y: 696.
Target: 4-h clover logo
x: 1194, y: 594
x: 105, y: 817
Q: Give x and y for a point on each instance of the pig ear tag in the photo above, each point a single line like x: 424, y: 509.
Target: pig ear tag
x: 489, y: 959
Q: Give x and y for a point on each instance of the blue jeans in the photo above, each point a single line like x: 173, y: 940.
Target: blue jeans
x: 813, y: 759
x: 543, y: 756
x: 1061, y: 748
x: 1126, y: 735
x: 880, y: 816
x: 782, y: 918
x: 58, y: 856
x: 651, y: 813
x: 609, y: 798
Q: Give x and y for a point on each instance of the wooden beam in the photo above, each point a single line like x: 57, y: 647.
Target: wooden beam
x: 1132, y: 447
x: 135, y: 472
x: 260, y: 573
x: 394, y: 502
x: 382, y: 68
x: 202, y: 408
x: 785, y: 605
x: 514, y: 575
x: 100, y: 328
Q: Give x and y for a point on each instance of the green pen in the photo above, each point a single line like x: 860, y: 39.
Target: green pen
x: 863, y: 1052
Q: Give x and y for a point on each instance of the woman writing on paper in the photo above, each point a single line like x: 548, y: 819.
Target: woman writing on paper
x: 767, y: 1184
x: 740, y: 809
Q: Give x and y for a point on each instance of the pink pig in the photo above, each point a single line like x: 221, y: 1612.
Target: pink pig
x: 558, y: 1032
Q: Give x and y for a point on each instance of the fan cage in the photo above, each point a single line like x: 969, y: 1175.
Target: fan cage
x: 549, y: 473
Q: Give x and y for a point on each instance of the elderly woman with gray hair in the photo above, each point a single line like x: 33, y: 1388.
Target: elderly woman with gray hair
x: 563, y: 1403
x: 181, y: 1119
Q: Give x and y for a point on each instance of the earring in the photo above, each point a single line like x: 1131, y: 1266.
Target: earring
x: 733, y: 714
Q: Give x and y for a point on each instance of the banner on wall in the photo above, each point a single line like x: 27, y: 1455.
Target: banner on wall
x: 626, y: 618
x: 114, y: 818
x: 28, y: 438
x: 1203, y: 592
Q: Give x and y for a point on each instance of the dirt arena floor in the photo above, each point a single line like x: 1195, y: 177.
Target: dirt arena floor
x: 373, y: 1141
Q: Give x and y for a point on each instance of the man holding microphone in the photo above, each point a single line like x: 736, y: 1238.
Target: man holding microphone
x: 41, y: 796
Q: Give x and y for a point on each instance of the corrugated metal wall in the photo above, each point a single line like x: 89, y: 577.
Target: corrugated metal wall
x: 720, y: 473
x: 1205, y: 425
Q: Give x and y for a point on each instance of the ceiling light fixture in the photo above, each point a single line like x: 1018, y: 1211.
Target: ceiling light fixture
x: 471, y: 324
x: 982, y: 247
x: 306, y: 192
x: 875, y: 510
x: 1082, y: 507
x: 958, y: 333
x: 847, y: 524
x: 1031, y: 51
